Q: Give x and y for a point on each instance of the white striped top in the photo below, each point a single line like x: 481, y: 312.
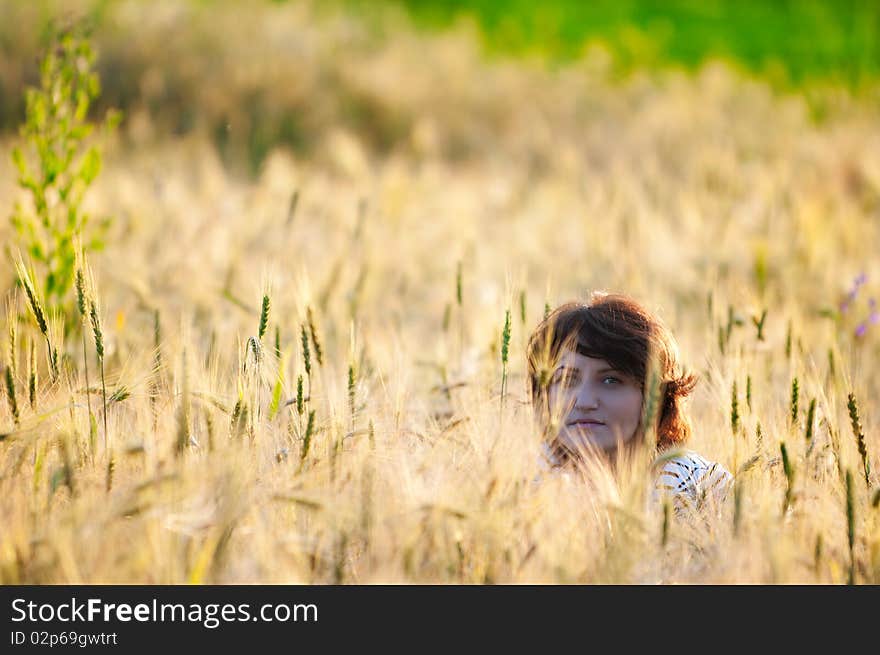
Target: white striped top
x: 684, y: 476
x: 691, y: 480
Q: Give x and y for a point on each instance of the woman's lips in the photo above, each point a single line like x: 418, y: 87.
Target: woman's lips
x: 587, y: 422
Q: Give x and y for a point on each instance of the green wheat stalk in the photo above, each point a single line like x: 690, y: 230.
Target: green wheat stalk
x: 255, y: 350
x: 10, y: 395
x: 307, y: 440
x: 277, y: 390
x: 12, y: 325
x: 156, y: 383
x: 111, y: 466
x: 33, y: 298
x: 789, y: 477
x: 239, y: 418
x: 275, y: 402
x: 98, y: 333
x: 811, y: 413
x: 32, y: 374
x: 299, y: 395
x: 853, y: 407
x: 505, y: 351
x: 56, y: 336
x: 319, y: 353
x: 352, y: 383
x: 851, y: 526
x: 795, y: 395
x: 39, y: 313
x: 184, y: 417
x: 307, y: 359
x: 82, y: 295
x: 264, y: 317
x: 759, y: 324
x: 734, y: 410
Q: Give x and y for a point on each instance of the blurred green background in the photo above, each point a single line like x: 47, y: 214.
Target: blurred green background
x: 261, y: 73
x: 791, y: 41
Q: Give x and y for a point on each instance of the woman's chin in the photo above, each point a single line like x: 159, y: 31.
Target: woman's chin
x: 589, y: 441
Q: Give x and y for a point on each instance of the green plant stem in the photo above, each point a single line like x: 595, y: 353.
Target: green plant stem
x: 104, y: 397
x: 86, y: 368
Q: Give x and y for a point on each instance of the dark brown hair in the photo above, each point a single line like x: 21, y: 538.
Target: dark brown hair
x: 616, y: 328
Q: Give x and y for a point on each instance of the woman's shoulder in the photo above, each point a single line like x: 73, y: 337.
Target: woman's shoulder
x: 686, y: 472
x: 682, y: 459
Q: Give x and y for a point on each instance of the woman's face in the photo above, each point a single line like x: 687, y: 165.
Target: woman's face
x: 594, y: 403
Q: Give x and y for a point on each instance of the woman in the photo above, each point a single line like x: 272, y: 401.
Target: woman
x: 589, y: 371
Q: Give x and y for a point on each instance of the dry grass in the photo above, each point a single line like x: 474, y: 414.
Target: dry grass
x: 708, y: 198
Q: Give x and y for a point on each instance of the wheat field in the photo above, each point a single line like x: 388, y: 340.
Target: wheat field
x: 492, y: 186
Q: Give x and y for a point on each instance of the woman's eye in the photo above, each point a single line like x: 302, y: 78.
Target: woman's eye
x: 612, y: 378
x: 566, y: 380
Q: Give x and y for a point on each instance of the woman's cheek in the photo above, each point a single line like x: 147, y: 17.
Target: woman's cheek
x: 558, y: 406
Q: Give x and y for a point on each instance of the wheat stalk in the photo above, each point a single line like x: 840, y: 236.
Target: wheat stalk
x: 734, y: 410
x: 307, y: 440
x: 39, y: 312
x: 82, y: 303
x: 307, y: 359
x: 12, y: 327
x: 851, y: 525
x: 10, y: 394
x: 313, y: 330
x: 32, y: 374
x: 185, y: 410
x: 788, y: 468
x: 811, y: 414
x: 264, y: 317
x: 505, y: 350
x: 98, y: 333
x: 853, y: 407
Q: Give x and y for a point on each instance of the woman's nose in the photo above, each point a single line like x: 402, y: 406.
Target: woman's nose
x: 587, y: 398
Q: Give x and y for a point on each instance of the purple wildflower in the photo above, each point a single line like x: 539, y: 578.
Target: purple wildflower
x: 861, y: 329
x: 874, y: 318
x: 853, y: 292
